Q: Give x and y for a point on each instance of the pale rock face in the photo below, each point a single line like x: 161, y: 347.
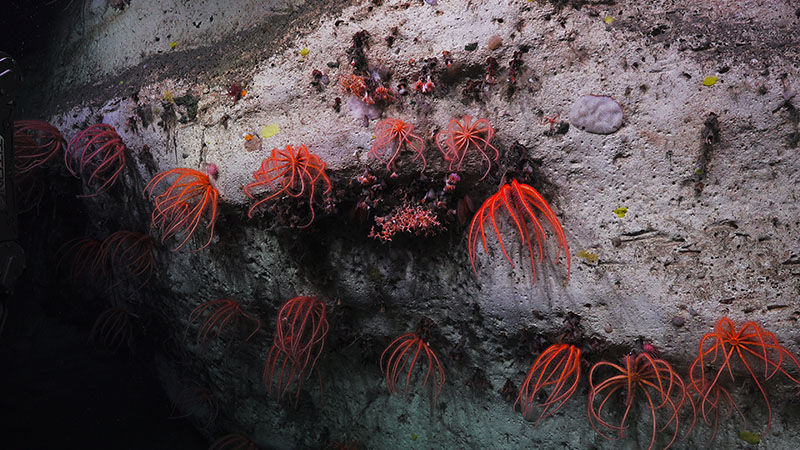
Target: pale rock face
x: 596, y: 114
x: 711, y: 230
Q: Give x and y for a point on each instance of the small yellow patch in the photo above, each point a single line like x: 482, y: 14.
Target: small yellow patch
x: 710, y: 81
x: 749, y: 437
x: 608, y: 20
x: 591, y: 258
x: 168, y: 97
x: 267, y: 131
x: 304, y: 51
x: 173, y: 45
x: 621, y: 211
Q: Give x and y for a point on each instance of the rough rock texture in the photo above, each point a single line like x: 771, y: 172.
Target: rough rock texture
x: 711, y: 227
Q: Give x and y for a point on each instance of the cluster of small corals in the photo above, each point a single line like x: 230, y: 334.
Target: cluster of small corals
x: 406, y: 219
x: 492, y: 69
x: 356, y: 85
x: 368, y: 90
x: 383, y: 95
x: 319, y: 79
x: 368, y: 82
x: 366, y: 179
x: 514, y: 66
x: 451, y: 181
x: 445, y: 199
x: 236, y: 91
x: 426, y: 87
x: 424, y: 83
x: 370, y: 196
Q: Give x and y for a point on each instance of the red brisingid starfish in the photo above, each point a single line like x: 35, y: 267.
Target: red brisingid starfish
x: 461, y: 136
x: 35, y: 143
x: 98, y: 152
x: 189, y: 196
x: 83, y: 256
x: 750, y: 342
x: 295, y: 173
x: 233, y: 442
x: 404, y: 352
x: 557, y: 369
x: 195, y: 399
x: 390, y: 137
x: 300, y: 332
x: 521, y: 202
x: 662, y: 388
x: 719, y: 404
x: 113, y: 328
x: 222, y: 314
x: 130, y: 251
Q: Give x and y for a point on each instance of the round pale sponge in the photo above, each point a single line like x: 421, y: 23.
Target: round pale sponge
x: 596, y: 114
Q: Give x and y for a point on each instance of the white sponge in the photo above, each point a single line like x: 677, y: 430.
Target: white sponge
x: 596, y: 114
